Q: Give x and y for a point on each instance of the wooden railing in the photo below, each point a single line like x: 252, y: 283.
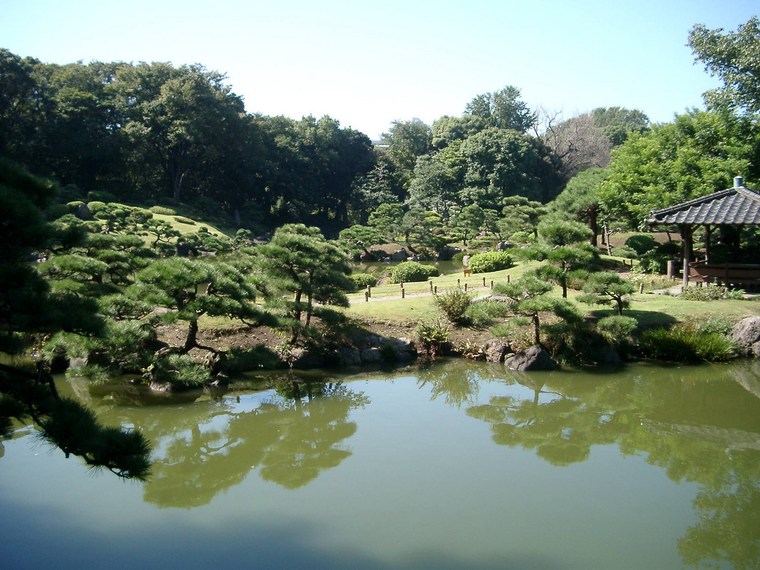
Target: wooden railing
x: 725, y: 273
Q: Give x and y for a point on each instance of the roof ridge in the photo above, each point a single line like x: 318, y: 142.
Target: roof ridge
x: 699, y: 200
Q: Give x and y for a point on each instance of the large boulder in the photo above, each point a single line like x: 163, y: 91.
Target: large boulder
x: 746, y: 333
x: 534, y: 358
x: 400, y: 255
x: 304, y: 359
x: 348, y: 356
x: 496, y: 350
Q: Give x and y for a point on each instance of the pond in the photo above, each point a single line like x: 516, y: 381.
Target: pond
x: 458, y: 465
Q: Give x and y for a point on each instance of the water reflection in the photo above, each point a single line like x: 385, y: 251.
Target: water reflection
x: 699, y: 425
x: 696, y: 428
x: 204, y: 448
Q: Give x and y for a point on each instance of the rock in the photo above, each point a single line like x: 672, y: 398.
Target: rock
x: 347, y: 356
x: 371, y: 356
x: 496, y: 350
x: 401, y: 349
x: 304, y: 359
x: 746, y: 333
x: 400, y: 255
x: 448, y: 252
x: 534, y: 358
x: 83, y: 212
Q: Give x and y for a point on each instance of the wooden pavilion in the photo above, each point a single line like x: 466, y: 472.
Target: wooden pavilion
x: 727, y: 211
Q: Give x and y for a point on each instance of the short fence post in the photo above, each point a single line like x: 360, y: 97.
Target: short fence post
x: 641, y: 287
x: 465, y: 287
x: 435, y: 290
x: 507, y: 278
x: 366, y: 296
x: 459, y: 282
x: 369, y: 290
x: 491, y: 283
x: 484, y: 281
x: 431, y: 286
x: 403, y: 292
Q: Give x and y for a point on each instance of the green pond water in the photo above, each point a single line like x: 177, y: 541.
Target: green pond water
x: 460, y: 465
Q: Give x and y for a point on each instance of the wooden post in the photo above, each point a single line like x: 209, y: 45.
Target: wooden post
x: 431, y: 286
x: 435, y: 290
x: 459, y: 282
x: 491, y: 283
x: 484, y: 281
x: 641, y: 287
x: 465, y: 287
x: 369, y: 290
x: 507, y: 278
x: 403, y: 292
x: 366, y: 296
x: 686, y: 252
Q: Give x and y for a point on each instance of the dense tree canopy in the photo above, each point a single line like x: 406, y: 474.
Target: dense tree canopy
x: 697, y: 154
x: 28, y: 306
x: 734, y: 57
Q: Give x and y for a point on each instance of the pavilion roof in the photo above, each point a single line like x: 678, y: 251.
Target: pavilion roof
x: 737, y: 206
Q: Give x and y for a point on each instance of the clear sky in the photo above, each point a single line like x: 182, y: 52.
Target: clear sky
x: 368, y: 63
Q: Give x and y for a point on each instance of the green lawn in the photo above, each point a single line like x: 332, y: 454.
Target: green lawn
x: 649, y: 309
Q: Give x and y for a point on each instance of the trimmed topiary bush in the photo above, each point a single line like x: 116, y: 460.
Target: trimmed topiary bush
x: 362, y: 280
x: 656, y: 260
x: 625, y: 251
x: 162, y: 210
x: 641, y: 243
x: 616, y: 329
x: 101, y: 196
x: 411, y: 272
x: 490, y: 261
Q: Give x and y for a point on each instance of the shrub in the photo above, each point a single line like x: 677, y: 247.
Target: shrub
x: 656, y: 260
x: 625, y: 251
x: 641, y: 243
x: 97, y: 206
x: 685, y: 344
x: 259, y: 357
x: 522, y: 238
x: 363, y: 280
x: 490, y: 261
x: 162, y: 210
x: 616, y: 329
x: 101, y: 196
x: 55, y: 211
x: 433, y: 337
x: 411, y: 271
x: 454, y: 304
x: 179, y: 370
x: 184, y: 220
x: 484, y: 313
x: 711, y: 293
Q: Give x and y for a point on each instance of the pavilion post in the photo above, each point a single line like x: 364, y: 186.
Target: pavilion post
x: 686, y: 252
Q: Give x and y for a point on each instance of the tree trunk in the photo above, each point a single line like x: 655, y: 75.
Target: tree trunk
x: 593, y: 224
x: 536, y: 329
x: 192, y: 337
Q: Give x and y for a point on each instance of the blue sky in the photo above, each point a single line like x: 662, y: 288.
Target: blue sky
x: 368, y: 63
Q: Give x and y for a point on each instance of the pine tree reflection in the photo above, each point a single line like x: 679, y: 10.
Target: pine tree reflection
x: 697, y: 427
x: 209, y: 446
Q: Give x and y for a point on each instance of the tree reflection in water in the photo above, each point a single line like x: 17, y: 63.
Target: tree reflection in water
x: 288, y: 436
x: 697, y: 429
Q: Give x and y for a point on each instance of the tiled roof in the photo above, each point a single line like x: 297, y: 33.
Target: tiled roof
x: 736, y: 205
